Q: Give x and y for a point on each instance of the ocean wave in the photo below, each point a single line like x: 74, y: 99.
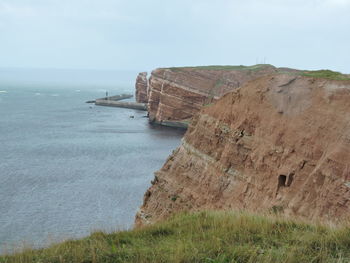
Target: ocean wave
x: 3, y: 91
x: 37, y: 94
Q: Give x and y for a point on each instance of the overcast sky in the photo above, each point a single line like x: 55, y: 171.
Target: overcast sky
x: 145, y: 34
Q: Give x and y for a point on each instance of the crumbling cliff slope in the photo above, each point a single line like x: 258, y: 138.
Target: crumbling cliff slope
x: 279, y: 143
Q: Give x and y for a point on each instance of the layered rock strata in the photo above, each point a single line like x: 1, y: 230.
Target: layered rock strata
x: 176, y: 94
x: 279, y: 143
x: 141, y: 88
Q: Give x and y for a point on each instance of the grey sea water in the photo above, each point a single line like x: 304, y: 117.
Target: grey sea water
x: 66, y: 167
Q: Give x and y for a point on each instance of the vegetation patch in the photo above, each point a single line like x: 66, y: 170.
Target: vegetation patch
x: 224, y: 67
x: 205, y: 237
x: 174, y: 198
x: 277, y: 209
x: 162, y: 232
x: 208, y: 104
x: 326, y: 74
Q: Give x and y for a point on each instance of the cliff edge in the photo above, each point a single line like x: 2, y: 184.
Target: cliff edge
x: 280, y: 142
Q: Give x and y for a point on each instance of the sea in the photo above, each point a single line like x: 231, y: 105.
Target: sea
x: 69, y: 168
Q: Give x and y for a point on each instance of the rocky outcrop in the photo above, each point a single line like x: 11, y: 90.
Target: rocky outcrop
x: 176, y: 94
x: 141, y: 88
x: 279, y: 143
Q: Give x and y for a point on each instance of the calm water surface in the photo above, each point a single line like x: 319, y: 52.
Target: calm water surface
x: 67, y: 167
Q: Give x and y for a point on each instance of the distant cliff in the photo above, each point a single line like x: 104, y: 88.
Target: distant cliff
x: 278, y: 143
x: 141, y: 88
x: 174, y: 95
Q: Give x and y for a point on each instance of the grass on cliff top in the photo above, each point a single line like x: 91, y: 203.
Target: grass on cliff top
x: 205, y: 237
x: 326, y: 74
x: 225, y: 67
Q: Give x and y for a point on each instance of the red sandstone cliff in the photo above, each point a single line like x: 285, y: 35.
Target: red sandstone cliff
x: 176, y: 94
x: 141, y: 88
x: 280, y: 142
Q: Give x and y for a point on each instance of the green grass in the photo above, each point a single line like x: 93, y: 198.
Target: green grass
x: 326, y: 74
x: 205, y: 237
x: 225, y: 67
x: 208, y: 104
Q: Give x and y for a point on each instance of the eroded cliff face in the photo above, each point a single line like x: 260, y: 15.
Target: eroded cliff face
x: 141, y: 88
x: 280, y: 143
x: 176, y: 94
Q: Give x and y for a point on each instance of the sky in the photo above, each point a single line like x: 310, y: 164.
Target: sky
x: 147, y: 34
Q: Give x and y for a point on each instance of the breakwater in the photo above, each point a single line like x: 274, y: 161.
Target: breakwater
x: 119, y: 104
x: 112, y: 98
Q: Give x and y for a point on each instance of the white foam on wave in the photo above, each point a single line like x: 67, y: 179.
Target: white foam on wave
x: 37, y: 94
x: 78, y: 90
x: 54, y: 95
x: 3, y: 91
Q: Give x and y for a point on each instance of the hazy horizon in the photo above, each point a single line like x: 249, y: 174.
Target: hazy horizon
x: 143, y: 35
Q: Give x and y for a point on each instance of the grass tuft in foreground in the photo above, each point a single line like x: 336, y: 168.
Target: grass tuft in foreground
x: 205, y: 237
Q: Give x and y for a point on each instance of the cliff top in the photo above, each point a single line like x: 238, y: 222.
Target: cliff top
x: 323, y: 73
x: 326, y: 74
x: 224, y: 67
